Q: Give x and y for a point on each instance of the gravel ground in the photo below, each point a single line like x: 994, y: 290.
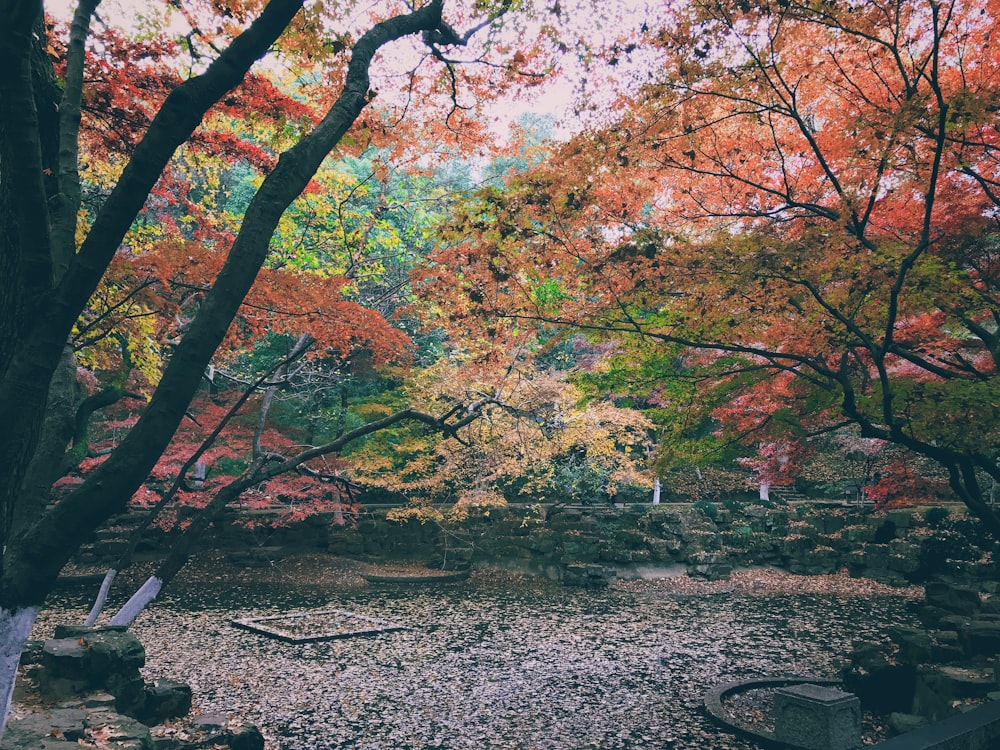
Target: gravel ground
x: 498, y: 661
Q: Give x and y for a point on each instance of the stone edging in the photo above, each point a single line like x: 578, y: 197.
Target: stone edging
x: 976, y: 729
x: 446, y: 577
x: 713, y: 702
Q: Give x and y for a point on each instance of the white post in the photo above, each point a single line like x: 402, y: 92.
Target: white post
x: 102, y: 597
x: 656, y: 491
x: 139, y: 601
x: 765, y: 491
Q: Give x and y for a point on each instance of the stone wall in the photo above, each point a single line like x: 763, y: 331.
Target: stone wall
x: 896, y: 547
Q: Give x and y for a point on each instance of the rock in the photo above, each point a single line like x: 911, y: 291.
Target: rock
x: 902, y: 723
x: 946, y: 649
x: 163, y: 741
x: 214, y: 729
x: 904, y: 564
x: 61, y: 723
x: 32, y: 652
x: 588, y: 576
x: 939, y: 687
x: 99, y: 700
x: 930, y: 616
x: 826, y: 524
x: 209, y: 722
x: 166, y: 699
x: 246, y: 737
x: 914, y: 644
x: 83, y: 660
x: 118, y: 731
x: 956, y: 599
x: 881, y: 685
x: 902, y: 519
x: 856, y: 535
x: 71, y: 728
x: 795, y: 545
x: 711, y: 571
x: 885, y: 532
x: 980, y: 638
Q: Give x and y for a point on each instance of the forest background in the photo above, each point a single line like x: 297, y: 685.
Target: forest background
x: 274, y: 254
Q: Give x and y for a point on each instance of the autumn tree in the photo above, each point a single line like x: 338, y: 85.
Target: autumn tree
x: 803, y: 198
x: 544, y: 445
x: 59, y: 239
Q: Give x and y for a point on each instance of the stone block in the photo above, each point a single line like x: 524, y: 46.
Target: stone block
x: 904, y: 564
x: 981, y: 638
x: 826, y: 524
x: 957, y: 599
x: 902, y: 723
x: 587, y: 576
x: 915, y: 645
x: 166, y: 699
x: 814, y: 717
x: 940, y: 687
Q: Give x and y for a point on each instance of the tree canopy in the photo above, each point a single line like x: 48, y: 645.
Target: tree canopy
x: 291, y: 241
x: 148, y: 237
x: 799, y: 206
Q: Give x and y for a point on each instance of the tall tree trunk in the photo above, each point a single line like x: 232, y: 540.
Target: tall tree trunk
x: 48, y: 462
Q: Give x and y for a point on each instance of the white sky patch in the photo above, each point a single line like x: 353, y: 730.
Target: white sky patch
x: 583, y: 93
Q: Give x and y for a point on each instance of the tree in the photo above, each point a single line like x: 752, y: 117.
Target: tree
x: 542, y: 445
x: 804, y: 199
x: 52, y: 264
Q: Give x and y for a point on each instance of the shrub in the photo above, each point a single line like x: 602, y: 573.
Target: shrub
x: 733, y: 505
x: 936, y: 515
x: 710, y: 510
x: 939, y: 552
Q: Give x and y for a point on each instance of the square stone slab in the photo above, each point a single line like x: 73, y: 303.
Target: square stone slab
x: 814, y: 717
x: 318, y: 625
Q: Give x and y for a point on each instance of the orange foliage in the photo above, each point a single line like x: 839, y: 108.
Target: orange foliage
x: 810, y: 192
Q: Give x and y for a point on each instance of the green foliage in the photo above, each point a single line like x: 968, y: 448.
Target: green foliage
x: 708, y: 509
x: 580, y: 480
x: 548, y: 294
x: 936, y: 515
x: 633, y: 494
x: 229, y: 466
x: 940, y: 551
x: 734, y: 506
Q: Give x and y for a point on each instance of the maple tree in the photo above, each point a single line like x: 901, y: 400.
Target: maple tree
x: 800, y: 204
x: 116, y: 151
x: 538, y: 443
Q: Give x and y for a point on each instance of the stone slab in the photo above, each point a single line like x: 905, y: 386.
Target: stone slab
x: 815, y: 717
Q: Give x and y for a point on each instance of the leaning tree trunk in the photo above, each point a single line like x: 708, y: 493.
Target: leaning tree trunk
x: 302, y: 345
x: 32, y: 560
x: 267, y: 467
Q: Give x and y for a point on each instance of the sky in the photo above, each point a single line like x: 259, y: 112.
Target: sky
x: 582, y: 25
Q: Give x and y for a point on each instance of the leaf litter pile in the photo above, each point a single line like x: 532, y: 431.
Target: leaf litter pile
x: 501, y: 661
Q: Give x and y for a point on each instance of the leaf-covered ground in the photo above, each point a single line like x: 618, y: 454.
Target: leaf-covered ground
x: 499, y: 661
